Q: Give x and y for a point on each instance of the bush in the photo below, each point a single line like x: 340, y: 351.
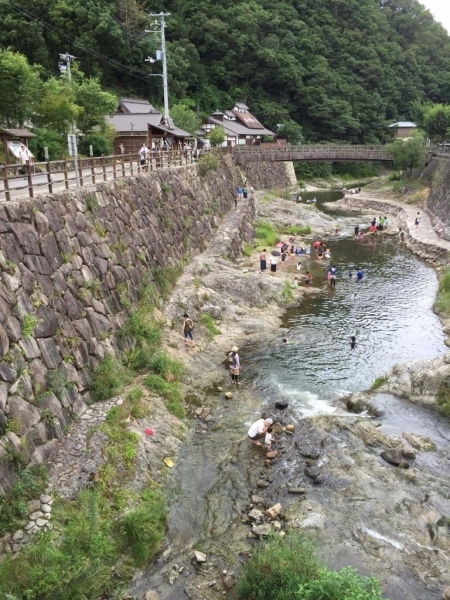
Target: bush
x: 46, y: 138
x: 304, y: 170
x: 142, y: 529
x: 108, y: 379
x: 287, y: 568
x: 299, y: 230
x: 210, y: 325
x: 287, y: 294
x: 247, y: 249
x: 346, y: 584
x: 169, y: 368
x: 266, y: 234
x: 356, y: 170
x: 443, y: 297
x: 277, y: 568
x: 101, y: 145
x: 169, y: 391
x: 443, y: 397
x: 379, y: 381
x: 207, y: 163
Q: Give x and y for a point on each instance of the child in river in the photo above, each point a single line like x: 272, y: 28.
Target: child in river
x: 268, y: 438
x: 308, y: 279
x: 352, y: 342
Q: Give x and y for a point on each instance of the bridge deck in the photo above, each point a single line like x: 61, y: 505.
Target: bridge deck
x: 315, y: 153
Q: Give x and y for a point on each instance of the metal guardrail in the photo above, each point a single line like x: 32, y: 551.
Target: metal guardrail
x: 61, y: 173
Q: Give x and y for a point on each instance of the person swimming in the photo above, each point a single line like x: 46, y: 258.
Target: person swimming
x: 352, y: 342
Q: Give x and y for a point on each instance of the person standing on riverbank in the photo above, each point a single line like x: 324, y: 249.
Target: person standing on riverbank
x: 273, y: 263
x: 401, y: 235
x: 417, y: 219
x: 258, y: 430
x: 188, y: 328
x: 356, y: 231
x: 262, y: 261
x: 235, y: 365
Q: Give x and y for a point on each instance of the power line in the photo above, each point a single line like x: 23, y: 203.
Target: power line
x: 101, y: 57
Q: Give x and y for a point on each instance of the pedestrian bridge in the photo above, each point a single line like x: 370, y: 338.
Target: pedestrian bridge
x: 314, y: 153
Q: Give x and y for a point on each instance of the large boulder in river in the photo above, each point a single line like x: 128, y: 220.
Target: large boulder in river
x: 393, y: 456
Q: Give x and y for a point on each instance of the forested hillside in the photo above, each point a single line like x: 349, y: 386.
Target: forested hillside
x: 341, y: 69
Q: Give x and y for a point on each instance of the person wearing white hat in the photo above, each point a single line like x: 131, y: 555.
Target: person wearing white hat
x: 258, y: 430
x: 235, y: 365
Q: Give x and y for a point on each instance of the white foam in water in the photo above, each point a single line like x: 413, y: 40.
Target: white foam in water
x: 304, y: 402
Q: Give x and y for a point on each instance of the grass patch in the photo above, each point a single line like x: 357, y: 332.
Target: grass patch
x: 442, y: 304
x: 299, y: 230
x: 266, y: 234
x: 247, y: 249
x: 170, y: 391
x: 108, y: 379
x: 379, y: 381
x: 28, y: 324
x: 210, y: 325
x: 30, y: 483
x: 287, y: 292
x: 169, y: 368
x: 78, y: 559
x: 443, y: 397
x: 207, y: 163
x: 286, y: 568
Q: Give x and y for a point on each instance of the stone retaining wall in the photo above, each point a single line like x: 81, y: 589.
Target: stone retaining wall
x: 437, y: 174
x: 71, y: 264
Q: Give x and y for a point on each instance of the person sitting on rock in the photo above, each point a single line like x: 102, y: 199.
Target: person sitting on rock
x: 258, y: 430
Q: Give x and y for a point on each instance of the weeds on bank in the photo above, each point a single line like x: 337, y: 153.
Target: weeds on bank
x: 442, y: 304
x: 210, y: 325
x: 443, y: 397
x: 378, y: 382
x: 165, y: 381
x: 82, y: 557
x: 30, y: 483
x: 286, y: 568
x: 247, y: 250
x: 266, y: 234
x: 287, y: 292
x: 299, y: 230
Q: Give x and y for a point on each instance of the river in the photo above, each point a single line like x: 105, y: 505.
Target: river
x: 393, y: 321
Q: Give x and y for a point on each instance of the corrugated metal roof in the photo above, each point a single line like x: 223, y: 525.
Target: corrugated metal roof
x: 175, y: 131
x: 122, y: 122
x: 403, y: 124
x: 241, y: 105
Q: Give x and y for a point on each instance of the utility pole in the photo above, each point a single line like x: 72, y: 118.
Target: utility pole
x: 161, y: 55
x: 64, y: 66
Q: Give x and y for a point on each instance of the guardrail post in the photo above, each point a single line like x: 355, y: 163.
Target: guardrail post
x: 130, y: 156
x: 30, y: 180
x: 6, y: 182
x: 104, y: 167
x: 80, y: 170
x: 123, y: 165
x: 114, y: 168
x: 66, y: 175
x: 92, y: 169
x: 49, y: 178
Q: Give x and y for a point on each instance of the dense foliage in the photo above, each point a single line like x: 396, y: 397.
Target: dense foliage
x: 341, y: 69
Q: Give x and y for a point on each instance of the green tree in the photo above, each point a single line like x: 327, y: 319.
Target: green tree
x: 56, y: 108
x: 408, y: 154
x: 185, y: 118
x: 436, y: 122
x: 95, y: 104
x: 291, y: 131
x: 20, y: 86
x: 216, y: 136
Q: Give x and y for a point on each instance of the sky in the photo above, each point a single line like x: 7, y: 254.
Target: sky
x: 440, y: 9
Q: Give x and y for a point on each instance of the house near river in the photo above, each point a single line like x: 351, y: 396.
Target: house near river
x: 137, y: 122
x: 241, y: 128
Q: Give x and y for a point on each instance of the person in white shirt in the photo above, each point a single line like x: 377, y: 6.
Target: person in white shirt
x: 273, y: 264
x: 24, y: 155
x: 258, y: 430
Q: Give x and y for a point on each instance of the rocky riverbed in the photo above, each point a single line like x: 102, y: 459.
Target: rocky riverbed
x: 377, y: 501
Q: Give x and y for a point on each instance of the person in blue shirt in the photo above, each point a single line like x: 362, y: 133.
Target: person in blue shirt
x: 333, y: 272
x: 359, y: 275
